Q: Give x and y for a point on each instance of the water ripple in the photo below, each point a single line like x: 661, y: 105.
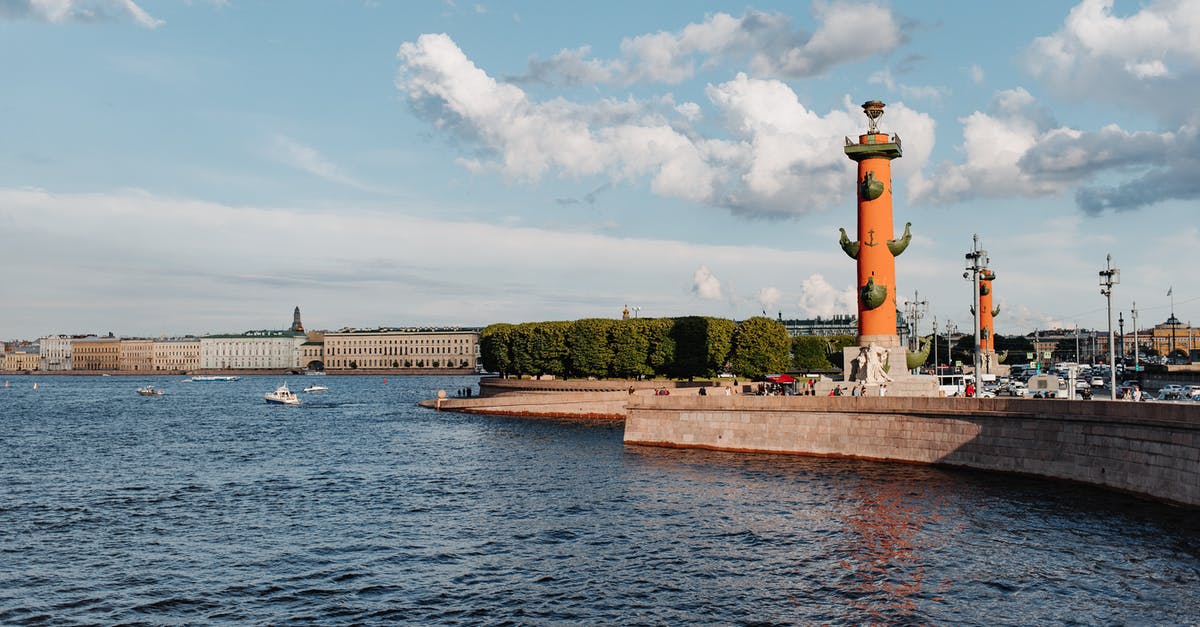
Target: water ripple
x: 212, y: 507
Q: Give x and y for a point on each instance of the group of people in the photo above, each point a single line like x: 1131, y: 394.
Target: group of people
x: 859, y: 390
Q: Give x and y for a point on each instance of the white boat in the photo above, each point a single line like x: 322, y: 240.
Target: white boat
x: 314, y: 373
x: 209, y: 377
x: 282, y: 396
x: 316, y: 388
x: 150, y: 391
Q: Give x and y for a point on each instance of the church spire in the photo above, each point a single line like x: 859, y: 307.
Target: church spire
x: 296, y: 326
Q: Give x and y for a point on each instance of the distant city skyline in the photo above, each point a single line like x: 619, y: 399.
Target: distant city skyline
x: 201, y: 167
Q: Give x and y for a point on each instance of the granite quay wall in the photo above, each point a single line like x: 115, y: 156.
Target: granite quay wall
x: 578, y: 405
x: 1149, y: 449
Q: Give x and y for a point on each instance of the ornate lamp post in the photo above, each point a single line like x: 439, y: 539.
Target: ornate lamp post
x: 975, y: 272
x: 1136, y: 348
x: 1109, y: 277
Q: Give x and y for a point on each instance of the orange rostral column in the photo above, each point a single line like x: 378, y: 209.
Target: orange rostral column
x: 875, y: 250
x: 987, y: 329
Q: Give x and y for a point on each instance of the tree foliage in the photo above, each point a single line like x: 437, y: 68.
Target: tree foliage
x: 590, y: 351
x: 630, y: 341
x: 810, y: 353
x: 760, y: 346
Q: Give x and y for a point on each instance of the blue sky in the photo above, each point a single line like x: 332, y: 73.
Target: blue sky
x: 195, y: 167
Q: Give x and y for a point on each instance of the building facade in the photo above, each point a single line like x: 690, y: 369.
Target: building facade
x: 312, y: 354
x: 55, y: 352
x: 95, y: 353
x: 21, y: 360
x: 136, y: 355
x: 398, y: 349
x: 253, y: 350
x: 176, y: 355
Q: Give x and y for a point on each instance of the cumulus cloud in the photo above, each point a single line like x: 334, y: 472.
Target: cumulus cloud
x: 993, y: 145
x: 781, y: 158
x: 846, y: 32
x: 819, y: 298
x: 1017, y: 148
x: 1132, y: 60
x: 705, y: 285
x: 60, y: 11
x: 769, y: 298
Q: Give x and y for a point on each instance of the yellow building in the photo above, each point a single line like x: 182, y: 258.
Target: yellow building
x: 17, y: 361
x: 101, y: 353
x: 312, y: 351
x: 1171, y: 336
x: 400, y: 349
x: 177, y: 355
x: 136, y: 355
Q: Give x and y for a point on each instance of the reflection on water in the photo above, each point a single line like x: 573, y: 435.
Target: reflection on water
x: 207, y: 505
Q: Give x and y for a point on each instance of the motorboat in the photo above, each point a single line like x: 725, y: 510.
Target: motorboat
x: 150, y: 390
x: 282, y: 396
x: 210, y: 377
x: 316, y: 387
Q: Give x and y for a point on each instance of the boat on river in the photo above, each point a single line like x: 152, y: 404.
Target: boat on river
x: 211, y: 377
x: 282, y: 396
x: 316, y: 387
x: 150, y: 390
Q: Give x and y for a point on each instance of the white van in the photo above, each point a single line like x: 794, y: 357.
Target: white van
x: 1046, y: 386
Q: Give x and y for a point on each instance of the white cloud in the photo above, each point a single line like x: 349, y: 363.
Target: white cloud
x: 60, y: 11
x: 769, y: 298
x: 343, y: 266
x: 307, y: 159
x: 819, y: 298
x: 705, y: 285
x: 846, y: 32
x: 1147, y: 60
x: 784, y: 160
x: 993, y: 145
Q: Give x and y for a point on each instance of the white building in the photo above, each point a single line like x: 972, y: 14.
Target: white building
x: 55, y: 352
x: 252, y: 350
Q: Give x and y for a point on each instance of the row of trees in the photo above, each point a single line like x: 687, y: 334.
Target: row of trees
x: 691, y: 346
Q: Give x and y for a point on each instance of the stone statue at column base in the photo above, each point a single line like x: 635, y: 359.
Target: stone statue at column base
x: 870, y: 365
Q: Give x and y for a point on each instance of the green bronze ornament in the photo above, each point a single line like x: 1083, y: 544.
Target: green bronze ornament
x: 984, y: 333
x: 984, y: 290
x: 872, y: 294
x: 849, y: 247
x: 870, y: 188
x: 915, y: 359
x: 996, y: 311
x: 897, y: 246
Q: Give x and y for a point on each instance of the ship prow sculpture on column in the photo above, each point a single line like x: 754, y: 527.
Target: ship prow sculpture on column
x: 879, y: 357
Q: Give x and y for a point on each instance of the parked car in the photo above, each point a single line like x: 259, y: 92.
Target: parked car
x: 1097, y: 382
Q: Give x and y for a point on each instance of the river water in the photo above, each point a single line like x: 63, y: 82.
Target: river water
x: 207, y: 505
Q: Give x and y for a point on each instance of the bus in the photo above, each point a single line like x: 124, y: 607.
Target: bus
x: 954, y: 384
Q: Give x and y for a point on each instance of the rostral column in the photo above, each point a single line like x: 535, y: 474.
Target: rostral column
x: 987, y: 328
x: 876, y: 248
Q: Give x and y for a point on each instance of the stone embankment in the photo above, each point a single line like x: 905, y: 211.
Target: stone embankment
x: 1149, y: 449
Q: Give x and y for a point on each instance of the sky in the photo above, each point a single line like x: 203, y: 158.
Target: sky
x: 178, y: 167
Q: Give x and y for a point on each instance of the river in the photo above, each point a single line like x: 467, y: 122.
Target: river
x: 207, y: 505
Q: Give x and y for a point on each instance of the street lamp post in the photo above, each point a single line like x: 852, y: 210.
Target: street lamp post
x: 950, y: 329
x: 935, y: 346
x: 978, y: 260
x: 1136, y: 348
x: 1109, y: 277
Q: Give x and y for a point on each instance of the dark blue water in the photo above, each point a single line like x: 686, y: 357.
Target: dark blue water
x: 209, y: 506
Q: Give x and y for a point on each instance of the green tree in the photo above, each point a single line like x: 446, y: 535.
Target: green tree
x: 520, y: 348
x: 548, y: 348
x: 719, y: 345
x: 760, y: 346
x: 495, y: 341
x: 689, y: 334
x: 630, y: 341
x: 660, y: 354
x: 590, y: 351
x: 810, y: 353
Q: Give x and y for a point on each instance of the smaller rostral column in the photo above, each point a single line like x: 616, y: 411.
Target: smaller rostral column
x: 987, y: 327
x: 876, y: 248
